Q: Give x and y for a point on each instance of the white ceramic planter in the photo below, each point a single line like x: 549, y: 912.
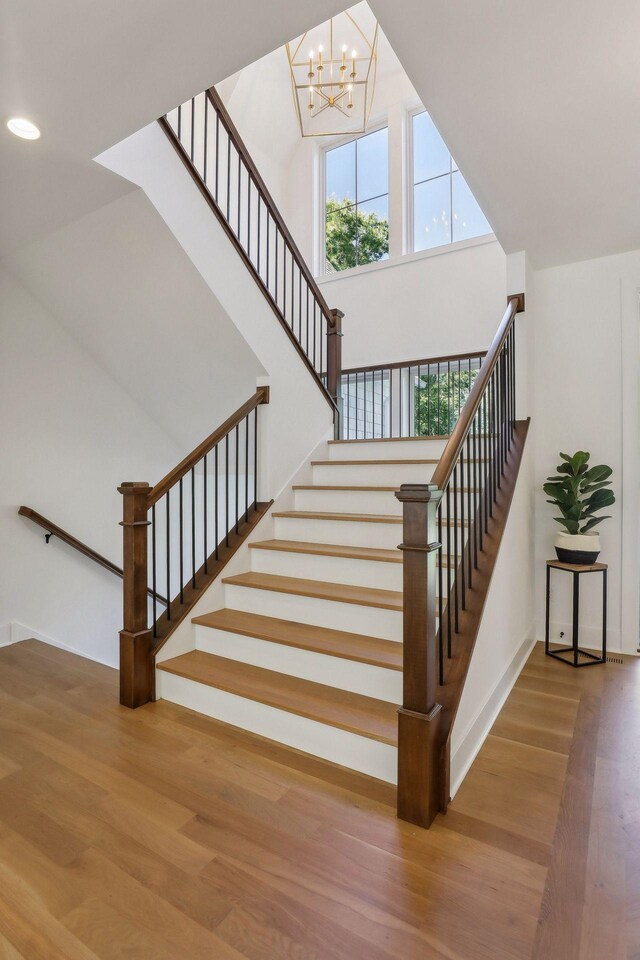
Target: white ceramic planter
x: 577, y: 547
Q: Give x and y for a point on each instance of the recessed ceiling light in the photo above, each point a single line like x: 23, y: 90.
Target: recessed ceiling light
x: 23, y: 128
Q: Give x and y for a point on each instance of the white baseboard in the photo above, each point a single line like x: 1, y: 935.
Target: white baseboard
x: 18, y: 631
x: 477, y: 731
x: 5, y: 635
x: 590, y: 636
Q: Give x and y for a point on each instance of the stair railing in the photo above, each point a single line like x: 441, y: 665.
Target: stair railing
x: 412, y: 398
x: 447, y: 536
x: 179, y: 534
x: 216, y: 157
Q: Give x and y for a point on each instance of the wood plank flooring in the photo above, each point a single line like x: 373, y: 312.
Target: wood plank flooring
x: 159, y: 833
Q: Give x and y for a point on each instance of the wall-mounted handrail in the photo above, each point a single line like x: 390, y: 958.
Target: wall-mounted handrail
x: 220, y: 165
x: 53, y: 530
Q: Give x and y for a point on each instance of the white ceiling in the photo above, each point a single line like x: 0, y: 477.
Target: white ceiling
x: 539, y: 101
x: 90, y: 73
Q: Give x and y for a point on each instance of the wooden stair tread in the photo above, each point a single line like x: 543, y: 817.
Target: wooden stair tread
x: 334, y: 486
x: 320, y: 590
x: 444, y: 436
x: 353, y: 517
x: 365, y: 716
x: 335, y: 643
x: 328, y: 515
x: 329, y: 550
x: 352, y: 463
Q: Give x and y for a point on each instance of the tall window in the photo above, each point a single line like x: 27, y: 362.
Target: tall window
x: 444, y: 209
x: 356, y: 176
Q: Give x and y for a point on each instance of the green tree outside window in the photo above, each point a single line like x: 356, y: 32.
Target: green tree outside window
x: 353, y: 237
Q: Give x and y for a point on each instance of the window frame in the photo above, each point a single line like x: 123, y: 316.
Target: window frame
x: 381, y: 124
x: 409, y: 233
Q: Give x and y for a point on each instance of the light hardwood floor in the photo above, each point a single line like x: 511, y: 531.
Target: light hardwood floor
x: 159, y: 833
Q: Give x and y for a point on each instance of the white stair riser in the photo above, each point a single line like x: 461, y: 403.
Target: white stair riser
x: 429, y: 449
x: 360, y: 501
x: 350, y: 533
x: 347, y: 749
x: 363, y: 678
x: 356, y: 618
x: 364, y: 573
x: 372, y: 474
x: 348, y: 501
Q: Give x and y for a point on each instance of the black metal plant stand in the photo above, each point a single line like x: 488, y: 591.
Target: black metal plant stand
x: 589, y: 659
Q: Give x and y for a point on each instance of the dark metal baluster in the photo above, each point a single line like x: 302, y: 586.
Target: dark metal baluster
x: 217, y: 153
x: 181, y: 543
x: 428, y: 399
x: 258, y: 237
x: 193, y: 526
x: 239, y: 192
x: 206, y: 137
x: 226, y: 492
x: 459, y: 393
x: 168, y: 527
x: 438, y: 386
x: 456, y: 575
x: 463, y: 571
x: 448, y: 522
x: 293, y: 297
x: 400, y: 370
x: 484, y: 473
x: 255, y: 457
x: 284, y: 280
x: 471, y: 509
x: 246, y: 468
x: 193, y: 128
x: 450, y: 397
x: 237, y: 470
x: 268, y: 246
x: 477, y: 492
x: 153, y: 568
x: 418, y: 426
x: 390, y: 402
x: 215, y: 491
x: 228, y: 179
x: 249, y: 181
x: 204, y: 503
x: 277, y: 234
x: 356, y: 406
x: 441, y: 562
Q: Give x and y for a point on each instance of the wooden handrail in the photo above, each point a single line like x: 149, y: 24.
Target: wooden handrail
x: 458, y: 436
x: 428, y: 361
x: 260, y: 396
x: 240, y: 146
x: 55, y: 531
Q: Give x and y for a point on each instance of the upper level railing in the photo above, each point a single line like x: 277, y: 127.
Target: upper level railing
x: 450, y: 542
x: 414, y: 398
x: 220, y: 164
x: 179, y: 534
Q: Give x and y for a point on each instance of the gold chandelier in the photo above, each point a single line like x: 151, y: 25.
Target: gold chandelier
x: 333, y: 73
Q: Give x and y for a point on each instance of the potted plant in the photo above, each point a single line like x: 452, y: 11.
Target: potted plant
x: 579, y: 492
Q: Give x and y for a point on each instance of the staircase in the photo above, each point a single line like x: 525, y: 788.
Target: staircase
x: 324, y: 635
x: 308, y: 647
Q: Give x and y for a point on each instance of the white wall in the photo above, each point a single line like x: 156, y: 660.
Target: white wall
x: 504, y: 639
x: 123, y: 287
x: 417, y: 308
x: 298, y: 415
x: 586, y: 322
x: 70, y: 435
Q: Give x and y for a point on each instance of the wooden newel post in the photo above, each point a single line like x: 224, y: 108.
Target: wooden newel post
x: 419, y: 738
x: 334, y: 354
x: 136, y: 662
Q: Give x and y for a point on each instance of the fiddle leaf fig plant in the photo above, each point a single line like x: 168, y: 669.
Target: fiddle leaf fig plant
x: 579, y: 492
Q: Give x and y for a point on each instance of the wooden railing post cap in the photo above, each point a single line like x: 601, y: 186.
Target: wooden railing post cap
x: 130, y: 489
x: 418, y: 493
x: 337, y: 317
x: 520, y: 304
